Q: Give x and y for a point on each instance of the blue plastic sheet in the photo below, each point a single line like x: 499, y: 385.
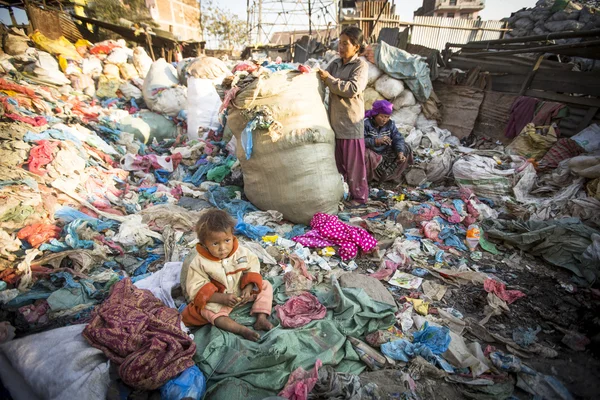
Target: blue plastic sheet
x: 162, y: 175
x: 436, y: 339
x: 246, y: 138
x: 254, y: 232
x: 190, y: 384
x: 69, y: 214
x: 297, y: 230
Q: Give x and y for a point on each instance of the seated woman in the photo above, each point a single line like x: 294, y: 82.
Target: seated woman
x: 387, y: 155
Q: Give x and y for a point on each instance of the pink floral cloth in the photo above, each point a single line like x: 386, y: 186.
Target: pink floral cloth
x: 328, y: 230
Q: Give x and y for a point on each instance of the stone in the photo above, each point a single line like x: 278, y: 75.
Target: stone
x: 370, y: 285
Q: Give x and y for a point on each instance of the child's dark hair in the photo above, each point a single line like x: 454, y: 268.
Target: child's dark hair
x: 355, y: 34
x: 213, y: 220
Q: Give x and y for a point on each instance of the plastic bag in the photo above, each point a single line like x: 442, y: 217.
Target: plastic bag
x: 107, y: 87
x: 389, y: 87
x: 117, y: 56
x: 405, y: 99
x: 128, y: 71
x: 436, y: 339
x: 207, y: 68
x: 190, y: 384
x: 60, y: 46
x: 15, y: 44
x: 91, y: 66
x: 589, y: 138
x: 533, y: 142
x: 141, y: 61
x: 585, y: 166
x: 406, y: 116
x: 111, y: 70
x: 203, y: 103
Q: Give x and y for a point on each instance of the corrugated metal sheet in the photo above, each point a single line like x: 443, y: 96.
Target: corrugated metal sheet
x: 458, y: 31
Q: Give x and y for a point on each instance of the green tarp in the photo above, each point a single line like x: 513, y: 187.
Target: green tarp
x: 561, y: 242
x: 239, y: 369
x: 411, y: 69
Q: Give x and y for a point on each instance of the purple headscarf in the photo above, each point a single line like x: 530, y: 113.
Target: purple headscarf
x: 380, y: 107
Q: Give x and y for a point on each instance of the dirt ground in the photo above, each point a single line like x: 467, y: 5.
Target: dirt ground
x: 549, y: 304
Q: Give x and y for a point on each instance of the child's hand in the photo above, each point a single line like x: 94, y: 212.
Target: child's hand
x: 247, y: 295
x: 230, y: 300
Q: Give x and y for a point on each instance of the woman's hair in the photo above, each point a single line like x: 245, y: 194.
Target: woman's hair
x: 355, y: 34
x: 213, y: 220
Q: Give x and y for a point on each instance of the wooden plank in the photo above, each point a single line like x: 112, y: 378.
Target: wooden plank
x: 562, y: 98
x: 549, y: 49
x: 587, y: 83
x: 531, y: 74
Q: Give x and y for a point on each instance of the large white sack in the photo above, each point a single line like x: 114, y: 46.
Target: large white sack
x: 203, y: 103
x: 161, y: 89
x: 414, y: 138
x: 585, y: 166
x: 482, y: 175
x: 389, y: 87
x: 141, y: 61
x: 589, y: 138
x: 374, y: 72
x: 371, y: 96
x: 440, y: 165
x: 60, y: 364
x: 405, y: 99
x: 205, y: 68
x: 296, y: 174
x: 406, y: 116
x: 425, y: 124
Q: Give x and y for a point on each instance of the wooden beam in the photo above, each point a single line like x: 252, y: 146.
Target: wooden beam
x: 547, y: 49
x: 563, y: 98
x: 550, y: 36
x: 531, y: 74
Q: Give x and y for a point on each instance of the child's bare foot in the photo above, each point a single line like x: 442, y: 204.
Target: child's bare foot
x: 262, y: 323
x: 249, y: 334
x: 229, y: 325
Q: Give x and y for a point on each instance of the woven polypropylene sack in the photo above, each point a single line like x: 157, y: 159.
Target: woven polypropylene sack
x: 296, y: 174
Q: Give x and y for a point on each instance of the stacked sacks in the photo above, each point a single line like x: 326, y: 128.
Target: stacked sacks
x: 162, y: 92
x: 549, y: 16
x: 286, y: 146
x: 393, y: 75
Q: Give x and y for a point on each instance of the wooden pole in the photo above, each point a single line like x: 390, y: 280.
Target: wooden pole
x: 531, y: 74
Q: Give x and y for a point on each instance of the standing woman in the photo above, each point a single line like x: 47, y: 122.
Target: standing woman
x: 346, y: 77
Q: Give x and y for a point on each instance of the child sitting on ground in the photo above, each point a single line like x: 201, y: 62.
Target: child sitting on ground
x: 221, y: 275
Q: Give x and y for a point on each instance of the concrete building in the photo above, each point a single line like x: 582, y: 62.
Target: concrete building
x: 181, y: 17
x: 466, y: 9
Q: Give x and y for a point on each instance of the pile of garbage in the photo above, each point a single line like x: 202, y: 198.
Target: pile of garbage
x: 102, y: 184
x: 91, y: 178
x: 550, y: 16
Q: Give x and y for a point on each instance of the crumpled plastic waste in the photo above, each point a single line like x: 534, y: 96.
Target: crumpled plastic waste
x: 435, y: 338
x: 509, y: 363
x: 190, y: 384
x: 499, y: 289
